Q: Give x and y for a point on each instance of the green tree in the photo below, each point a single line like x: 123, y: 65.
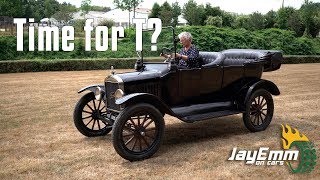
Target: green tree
x: 228, y: 19
x: 166, y: 14
x: 214, y: 21
x: 50, y: 7
x: 127, y: 4
x: 37, y: 9
x: 26, y: 8
x: 100, y: 8
x: 79, y: 24
x: 309, y: 12
x: 12, y: 8
x: 176, y: 13
x: 155, y: 12
x: 270, y: 19
x: 212, y: 11
x: 85, y: 6
x: 242, y: 21
x: 65, y: 13
x: 192, y: 13
x: 256, y: 21
x: 283, y: 16
x: 295, y: 23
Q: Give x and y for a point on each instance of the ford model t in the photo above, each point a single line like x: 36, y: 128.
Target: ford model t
x: 133, y: 104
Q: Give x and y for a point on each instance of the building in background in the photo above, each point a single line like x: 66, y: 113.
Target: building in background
x: 124, y: 18
x: 120, y: 17
x: 97, y: 16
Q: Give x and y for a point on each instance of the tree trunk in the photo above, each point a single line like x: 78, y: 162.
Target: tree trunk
x: 134, y: 9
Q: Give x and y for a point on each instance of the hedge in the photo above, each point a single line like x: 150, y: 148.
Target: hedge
x: 290, y: 59
x: 63, y: 65
x: 95, y: 64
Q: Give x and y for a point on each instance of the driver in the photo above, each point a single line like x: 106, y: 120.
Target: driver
x: 189, y: 55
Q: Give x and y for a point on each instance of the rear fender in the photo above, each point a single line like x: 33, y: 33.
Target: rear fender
x: 262, y: 84
x: 144, y: 98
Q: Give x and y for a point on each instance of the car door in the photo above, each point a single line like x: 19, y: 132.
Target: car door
x: 211, y: 79
x: 232, y: 73
x: 189, y: 83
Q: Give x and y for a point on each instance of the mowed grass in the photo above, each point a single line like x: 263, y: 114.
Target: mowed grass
x: 38, y: 139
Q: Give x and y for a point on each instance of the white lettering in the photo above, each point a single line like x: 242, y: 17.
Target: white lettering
x: 115, y: 31
x: 234, y: 151
x: 251, y: 159
x: 262, y: 154
x: 102, y: 30
x: 19, y: 22
x: 88, y: 28
x: 291, y: 155
x: 241, y: 155
x: 49, y: 31
x: 139, y: 23
x: 31, y: 35
x: 67, y: 35
x: 275, y: 155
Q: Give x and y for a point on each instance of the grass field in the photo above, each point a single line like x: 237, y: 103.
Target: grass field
x: 39, y: 141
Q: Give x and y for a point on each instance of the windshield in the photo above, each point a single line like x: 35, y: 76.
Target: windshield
x: 164, y: 40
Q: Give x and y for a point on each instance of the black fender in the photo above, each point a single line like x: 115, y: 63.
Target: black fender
x: 92, y: 88
x: 145, y: 98
x: 262, y: 84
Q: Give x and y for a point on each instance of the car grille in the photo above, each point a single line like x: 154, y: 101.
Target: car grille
x: 110, y: 89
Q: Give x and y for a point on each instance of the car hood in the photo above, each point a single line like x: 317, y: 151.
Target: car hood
x: 151, y: 71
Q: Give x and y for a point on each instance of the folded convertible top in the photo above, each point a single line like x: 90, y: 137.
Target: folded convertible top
x: 271, y: 59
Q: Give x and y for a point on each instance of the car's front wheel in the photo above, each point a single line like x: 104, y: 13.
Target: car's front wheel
x: 259, y: 111
x: 138, y: 131
x: 86, y: 116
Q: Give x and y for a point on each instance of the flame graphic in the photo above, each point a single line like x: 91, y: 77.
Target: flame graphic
x: 290, y: 137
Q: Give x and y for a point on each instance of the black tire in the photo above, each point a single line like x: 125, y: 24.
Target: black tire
x: 135, y: 140
x: 259, y: 111
x: 85, y: 118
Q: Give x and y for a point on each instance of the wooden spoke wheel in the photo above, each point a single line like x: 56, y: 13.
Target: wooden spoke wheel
x: 259, y: 111
x: 86, y: 116
x: 138, y: 131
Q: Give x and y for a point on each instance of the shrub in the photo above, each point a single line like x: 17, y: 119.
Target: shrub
x: 78, y: 24
x: 107, y: 22
x: 214, y: 21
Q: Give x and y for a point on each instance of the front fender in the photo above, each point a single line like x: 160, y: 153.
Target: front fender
x: 263, y: 84
x: 145, y: 98
x: 92, y: 88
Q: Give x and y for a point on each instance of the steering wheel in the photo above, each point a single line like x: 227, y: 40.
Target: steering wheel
x: 167, y: 52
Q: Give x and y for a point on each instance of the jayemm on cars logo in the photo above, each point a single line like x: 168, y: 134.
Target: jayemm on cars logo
x: 307, y: 153
x: 298, y: 153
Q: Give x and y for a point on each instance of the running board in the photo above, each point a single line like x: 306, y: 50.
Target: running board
x: 189, y: 110
x: 200, y: 117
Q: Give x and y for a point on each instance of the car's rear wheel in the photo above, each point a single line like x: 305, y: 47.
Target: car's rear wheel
x: 138, y: 131
x: 86, y: 116
x: 259, y: 111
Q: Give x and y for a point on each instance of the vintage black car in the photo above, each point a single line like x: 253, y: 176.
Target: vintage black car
x: 133, y: 104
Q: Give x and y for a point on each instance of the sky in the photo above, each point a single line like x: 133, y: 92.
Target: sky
x: 236, y: 6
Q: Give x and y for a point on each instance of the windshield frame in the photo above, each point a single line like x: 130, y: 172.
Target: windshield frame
x: 174, y: 41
